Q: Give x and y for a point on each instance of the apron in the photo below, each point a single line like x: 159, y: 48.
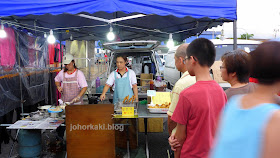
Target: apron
x: 71, y: 89
x: 122, y: 88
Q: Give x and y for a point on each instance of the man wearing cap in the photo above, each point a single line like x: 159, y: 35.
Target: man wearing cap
x: 73, y: 81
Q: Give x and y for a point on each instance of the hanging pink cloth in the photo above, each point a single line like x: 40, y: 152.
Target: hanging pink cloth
x: 8, y: 48
x: 51, y: 53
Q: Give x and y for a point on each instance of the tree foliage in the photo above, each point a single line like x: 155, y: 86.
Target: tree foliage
x: 249, y: 36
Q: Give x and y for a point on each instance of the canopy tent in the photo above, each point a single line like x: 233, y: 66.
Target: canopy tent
x: 91, y: 19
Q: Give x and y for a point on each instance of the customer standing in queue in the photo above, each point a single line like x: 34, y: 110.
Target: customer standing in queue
x: 73, y: 81
x: 185, y: 81
x: 249, y: 126
x: 235, y: 70
x: 199, y: 105
x: 123, y: 80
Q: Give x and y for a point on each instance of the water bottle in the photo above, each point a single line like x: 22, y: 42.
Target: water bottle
x: 146, y: 69
x: 97, y: 82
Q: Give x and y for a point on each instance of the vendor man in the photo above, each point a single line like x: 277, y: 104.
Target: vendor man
x: 185, y: 81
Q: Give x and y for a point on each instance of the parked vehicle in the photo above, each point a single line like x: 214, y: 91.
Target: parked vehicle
x: 223, y: 46
x: 171, y: 74
x: 139, y: 53
x: 163, y: 58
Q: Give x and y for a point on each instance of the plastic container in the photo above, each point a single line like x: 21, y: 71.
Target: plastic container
x: 159, y: 78
x: 29, y: 143
x: 146, y: 69
x: 97, y: 82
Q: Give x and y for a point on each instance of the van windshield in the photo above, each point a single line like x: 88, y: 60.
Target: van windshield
x: 222, y: 49
x: 136, y: 62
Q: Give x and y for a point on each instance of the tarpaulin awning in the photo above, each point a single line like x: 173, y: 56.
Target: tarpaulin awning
x: 183, y: 18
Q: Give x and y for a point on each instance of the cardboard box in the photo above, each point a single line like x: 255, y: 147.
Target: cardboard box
x: 144, y: 89
x: 145, y: 82
x: 154, y: 125
x: 145, y: 79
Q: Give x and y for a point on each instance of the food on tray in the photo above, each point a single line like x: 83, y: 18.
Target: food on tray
x: 56, y: 109
x: 164, y: 106
x: 133, y: 98
x: 62, y: 106
x: 130, y: 100
x: 125, y: 99
x: 45, y: 107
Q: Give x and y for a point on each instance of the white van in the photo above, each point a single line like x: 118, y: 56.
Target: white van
x: 172, y: 75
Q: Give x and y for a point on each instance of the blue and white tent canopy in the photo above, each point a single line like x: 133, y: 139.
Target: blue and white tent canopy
x: 89, y: 19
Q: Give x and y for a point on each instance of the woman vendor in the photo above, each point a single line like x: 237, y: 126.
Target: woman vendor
x: 123, y: 80
x: 124, y: 83
x: 73, y: 81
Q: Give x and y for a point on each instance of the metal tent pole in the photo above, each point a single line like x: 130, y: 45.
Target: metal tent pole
x: 234, y: 35
x: 19, y: 73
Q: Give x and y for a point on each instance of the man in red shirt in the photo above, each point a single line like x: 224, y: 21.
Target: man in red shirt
x: 199, y: 106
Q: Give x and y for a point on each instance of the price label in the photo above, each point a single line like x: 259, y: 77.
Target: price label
x: 151, y: 93
x: 127, y: 111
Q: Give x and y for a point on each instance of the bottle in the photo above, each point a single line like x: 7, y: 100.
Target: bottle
x: 97, y: 82
x: 146, y: 69
x: 151, y: 85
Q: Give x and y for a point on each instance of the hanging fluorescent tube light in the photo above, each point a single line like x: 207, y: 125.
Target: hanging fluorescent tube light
x: 111, y: 35
x: 51, y: 38
x: 3, y: 33
x: 170, y: 42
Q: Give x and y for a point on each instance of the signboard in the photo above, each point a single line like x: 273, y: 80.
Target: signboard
x: 161, y: 98
x: 90, y: 131
x: 127, y: 111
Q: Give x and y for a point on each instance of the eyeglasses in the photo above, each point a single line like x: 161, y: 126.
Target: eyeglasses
x: 222, y: 67
x: 189, y: 58
x: 184, y: 60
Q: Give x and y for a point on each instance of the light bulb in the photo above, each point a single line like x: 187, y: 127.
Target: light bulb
x: 170, y: 42
x: 3, y: 33
x: 51, y: 38
x: 110, y: 35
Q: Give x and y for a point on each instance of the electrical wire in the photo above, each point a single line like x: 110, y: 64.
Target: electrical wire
x: 36, y: 28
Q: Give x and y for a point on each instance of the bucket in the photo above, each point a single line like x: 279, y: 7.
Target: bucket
x: 29, y: 143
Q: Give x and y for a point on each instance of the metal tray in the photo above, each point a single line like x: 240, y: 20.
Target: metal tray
x: 158, y: 110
